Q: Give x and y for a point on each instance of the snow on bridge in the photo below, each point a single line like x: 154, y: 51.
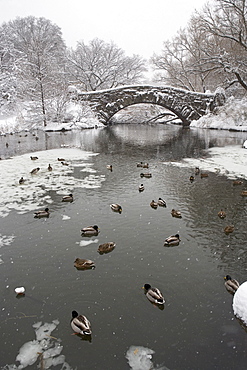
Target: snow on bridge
x: 186, y: 105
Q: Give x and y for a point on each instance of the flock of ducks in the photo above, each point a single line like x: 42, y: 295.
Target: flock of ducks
x: 79, y: 323
x: 66, y: 198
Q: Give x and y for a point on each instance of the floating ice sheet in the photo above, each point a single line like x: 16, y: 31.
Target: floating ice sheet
x: 34, y: 192
x: 45, y: 350
x: 230, y: 161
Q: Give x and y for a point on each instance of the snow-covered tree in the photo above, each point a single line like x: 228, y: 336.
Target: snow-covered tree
x: 36, y: 57
x: 100, y: 65
x: 226, y: 21
x: 211, y: 51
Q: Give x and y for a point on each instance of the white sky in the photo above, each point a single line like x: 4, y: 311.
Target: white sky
x: 136, y: 26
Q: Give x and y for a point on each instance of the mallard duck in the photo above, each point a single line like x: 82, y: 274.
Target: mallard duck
x: 106, y: 247
x: 147, y: 175
x: 231, y: 284
x: 172, y: 240
x: 61, y: 159
x: 83, y: 264
x: 34, y: 158
x: 153, y: 294
x: 141, y: 188
x: 80, y: 324
x: 49, y: 168
x: 154, y: 204
x: 90, y: 231
x: 42, y: 213
x: 161, y: 202
x: 204, y: 174
x: 109, y: 167
x: 116, y: 208
x: 229, y: 229
x: 22, y: 181
x: 34, y: 171
x: 222, y: 214
x: 192, y: 178
x: 244, y: 193
x: 140, y: 164
x: 237, y: 182
x: 68, y: 198
x: 197, y: 171
x: 176, y: 213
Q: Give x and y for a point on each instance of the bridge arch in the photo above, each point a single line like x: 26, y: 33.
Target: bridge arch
x: 186, y: 105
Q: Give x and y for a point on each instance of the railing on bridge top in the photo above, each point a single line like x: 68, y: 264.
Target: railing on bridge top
x: 186, y: 105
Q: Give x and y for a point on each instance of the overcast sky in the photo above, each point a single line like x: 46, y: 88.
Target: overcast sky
x: 137, y: 26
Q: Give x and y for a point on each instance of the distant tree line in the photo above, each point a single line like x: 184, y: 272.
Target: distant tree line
x: 210, y: 52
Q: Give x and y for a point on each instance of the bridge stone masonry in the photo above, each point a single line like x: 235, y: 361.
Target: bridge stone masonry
x: 186, y: 105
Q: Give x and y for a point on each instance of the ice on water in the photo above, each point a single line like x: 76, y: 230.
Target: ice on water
x: 33, y: 193
x: 44, y: 344
x: 140, y: 358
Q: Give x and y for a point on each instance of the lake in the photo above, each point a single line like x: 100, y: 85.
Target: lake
x: 196, y: 327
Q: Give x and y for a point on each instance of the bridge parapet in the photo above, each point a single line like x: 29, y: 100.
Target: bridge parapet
x: 187, y: 105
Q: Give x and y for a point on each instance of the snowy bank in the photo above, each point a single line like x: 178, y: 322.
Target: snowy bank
x: 76, y: 117
x: 231, y: 116
x: 240, y: 303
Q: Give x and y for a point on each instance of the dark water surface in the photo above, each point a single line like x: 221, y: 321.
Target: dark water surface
x: 197, y: 328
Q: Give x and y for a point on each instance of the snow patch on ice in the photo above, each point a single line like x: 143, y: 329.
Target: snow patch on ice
x: 140, y: 358
x: 34, y: 192
x: 230, y: 161
x: 44, y: 349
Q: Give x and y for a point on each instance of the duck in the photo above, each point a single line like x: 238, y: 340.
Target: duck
x: 42, y: 213
x: 153, y: 294
x: 141, y: 188
x: 231, y: 285
x: 222, y: 214
x: 90, y: 231
x: 161, y: 202
x: 172, y: 240
x: 35, y: 171
x: 154, y: 204
x: 140, y: 164
x: 83, y: 264
x: 176, y: 213
x: 145, y: 165
x: 116, y: 207
x: 61, y: 159
x: 106, y: 247
x: 237, y: 182
x: 80, y: 324
x: 49, y: 168
x: 109, y: 167
x: 204, y: 174
x: 147, y: 175
x: 229, y: 229
x: 197, y: 171
x: 192, y: 178
x: 64, y: 163
x: 68, y: 198
x: 34, y: 158
x: 244, y: 193
x: 22, y: 181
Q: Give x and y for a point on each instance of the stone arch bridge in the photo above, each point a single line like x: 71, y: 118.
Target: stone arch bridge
x: 186, y: 105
